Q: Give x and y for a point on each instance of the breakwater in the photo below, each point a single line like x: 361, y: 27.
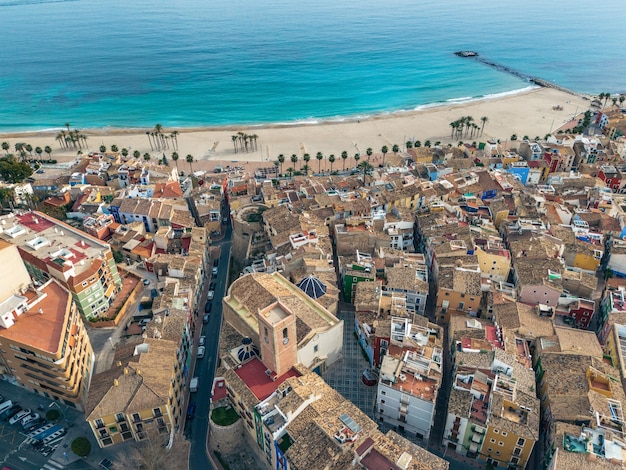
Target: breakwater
x: 511, y: 71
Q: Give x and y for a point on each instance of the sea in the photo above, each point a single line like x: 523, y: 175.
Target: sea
x: 188, y: 63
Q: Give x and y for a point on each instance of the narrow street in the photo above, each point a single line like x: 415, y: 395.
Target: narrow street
x: 205, y: 368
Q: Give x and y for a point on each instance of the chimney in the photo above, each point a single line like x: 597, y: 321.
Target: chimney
x: 119, y: 363
x: 138, y: 372
x: 125, y: 370
x: 40, y: 311
x: 115, y: 383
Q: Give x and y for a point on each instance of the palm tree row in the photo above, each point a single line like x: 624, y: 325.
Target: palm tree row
x: 614, y: 99
x: 71, y: 139
x: 319, y: 156
x: 466, y: 127
x: 22, y: 149
x: 241, y: 141
x: 160, y: 141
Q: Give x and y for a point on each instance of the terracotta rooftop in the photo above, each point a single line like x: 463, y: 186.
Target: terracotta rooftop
x: 42, y: 331
x: 253, y: 375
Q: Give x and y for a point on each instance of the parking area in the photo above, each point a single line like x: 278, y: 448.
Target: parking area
x: 34, y: 442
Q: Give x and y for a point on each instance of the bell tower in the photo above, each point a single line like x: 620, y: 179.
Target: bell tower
x: 277, y: 335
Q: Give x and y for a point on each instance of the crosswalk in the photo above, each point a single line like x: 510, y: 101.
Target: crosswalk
x: 53, y: 465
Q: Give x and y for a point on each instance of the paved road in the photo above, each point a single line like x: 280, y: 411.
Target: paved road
x: 205, y: 368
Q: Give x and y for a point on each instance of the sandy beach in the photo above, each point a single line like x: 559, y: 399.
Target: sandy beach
x: 532, y: 112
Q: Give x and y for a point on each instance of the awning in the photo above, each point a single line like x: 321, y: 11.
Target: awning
x: 473, y: 447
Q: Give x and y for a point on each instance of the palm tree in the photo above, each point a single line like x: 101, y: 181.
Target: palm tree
x: 614, y: 100
x: 114, y: 148
x: 344, y: 157
x: 427, y: 144
x: 136, y: 154
x: 234, y: 139
x: 29, y: 149
x: 620, y: 99
x: 67, y: 124
x: 306, y: 157
x: 607, y: 96
x: 483, y: 120
x: 124, y: 152
x: 189, y: 159
x: 103, y: 149
x: 149, y: 140
x: 38, y: 151
x: 357, y: 157
x: 409, y: 144
x: 281, y: 160
x: 366, y: 168
x: 48, y: 150
x: 305, y: 168
x: 331, y: 159
x: 417, y: 144
x: 369, y: 153
x: 384, y: 151
x: 6, y: 146
x: 146, y: 156
x: 290, y: 171
x: 175, y: 158
x: 320, y: 157
x: 174, y: 136
x: 395, y: 149
x: 294, y: 159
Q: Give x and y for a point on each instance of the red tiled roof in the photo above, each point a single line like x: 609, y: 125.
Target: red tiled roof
x: 219, y: 392
x: 254, y: 376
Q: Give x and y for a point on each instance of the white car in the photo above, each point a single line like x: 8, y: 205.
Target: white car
x: 202, y: 340
x: 214, y: 271
x: 200, y: 352
x: 29, y: 418
x: 19, y: 416
x: 210, y: 295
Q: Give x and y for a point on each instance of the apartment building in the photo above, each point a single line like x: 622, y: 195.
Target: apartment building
x: 43, y: 343
x: 144, y: 395
x: 80, y: 262
x: 409, y: 378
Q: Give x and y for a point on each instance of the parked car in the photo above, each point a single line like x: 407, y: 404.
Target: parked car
x: 191, y: 410
x: 27, y: 419
x: 214, y: 271
x: 200, y: 354
x: 207, y: 307
x: 19, y: 416
x: 210, y: 295
x: 205, y: 319
x: 212, y: 286
x: 7, y: 414
x: 34, y: 424
x: 146, y: 282
x: 216, y: 262
x: 202, y: 340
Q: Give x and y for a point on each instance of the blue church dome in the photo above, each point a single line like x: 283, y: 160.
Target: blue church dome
x: 312, y: 287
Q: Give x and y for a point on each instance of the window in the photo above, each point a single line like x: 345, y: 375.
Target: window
x: 500, y: 443
x: 496, y: 431
x: 315, y: 348
x: 382, y: 402
x: 492, y: 440
x: 285, y: 336
x: 489, y: 449
x: 99, y: 423
x: 265, y: 331
x: 497, y: 452
x: 521, y: 441
x: 119, y: 417
x: 514, y: 460
x: 504, y: 433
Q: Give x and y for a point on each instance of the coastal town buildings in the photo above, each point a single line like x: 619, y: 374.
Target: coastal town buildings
x: 52, y: 249
x: 44, y: 346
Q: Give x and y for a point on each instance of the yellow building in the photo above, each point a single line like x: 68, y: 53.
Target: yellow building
x: 43, y: 343
x: 459, y: 289
x: 494, y: 261
x: 139, y: 398
x: 615, y: 346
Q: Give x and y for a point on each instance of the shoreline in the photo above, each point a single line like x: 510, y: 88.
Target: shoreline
x: 532, y: 111
x: 308, y: 122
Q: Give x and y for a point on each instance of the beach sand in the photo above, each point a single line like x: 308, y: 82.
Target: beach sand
x: 529, y: 113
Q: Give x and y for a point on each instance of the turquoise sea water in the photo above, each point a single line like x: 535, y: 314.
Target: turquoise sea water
x: 123, y: 63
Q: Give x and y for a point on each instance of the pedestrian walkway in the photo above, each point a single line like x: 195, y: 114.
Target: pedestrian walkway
x: 345, y: 375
